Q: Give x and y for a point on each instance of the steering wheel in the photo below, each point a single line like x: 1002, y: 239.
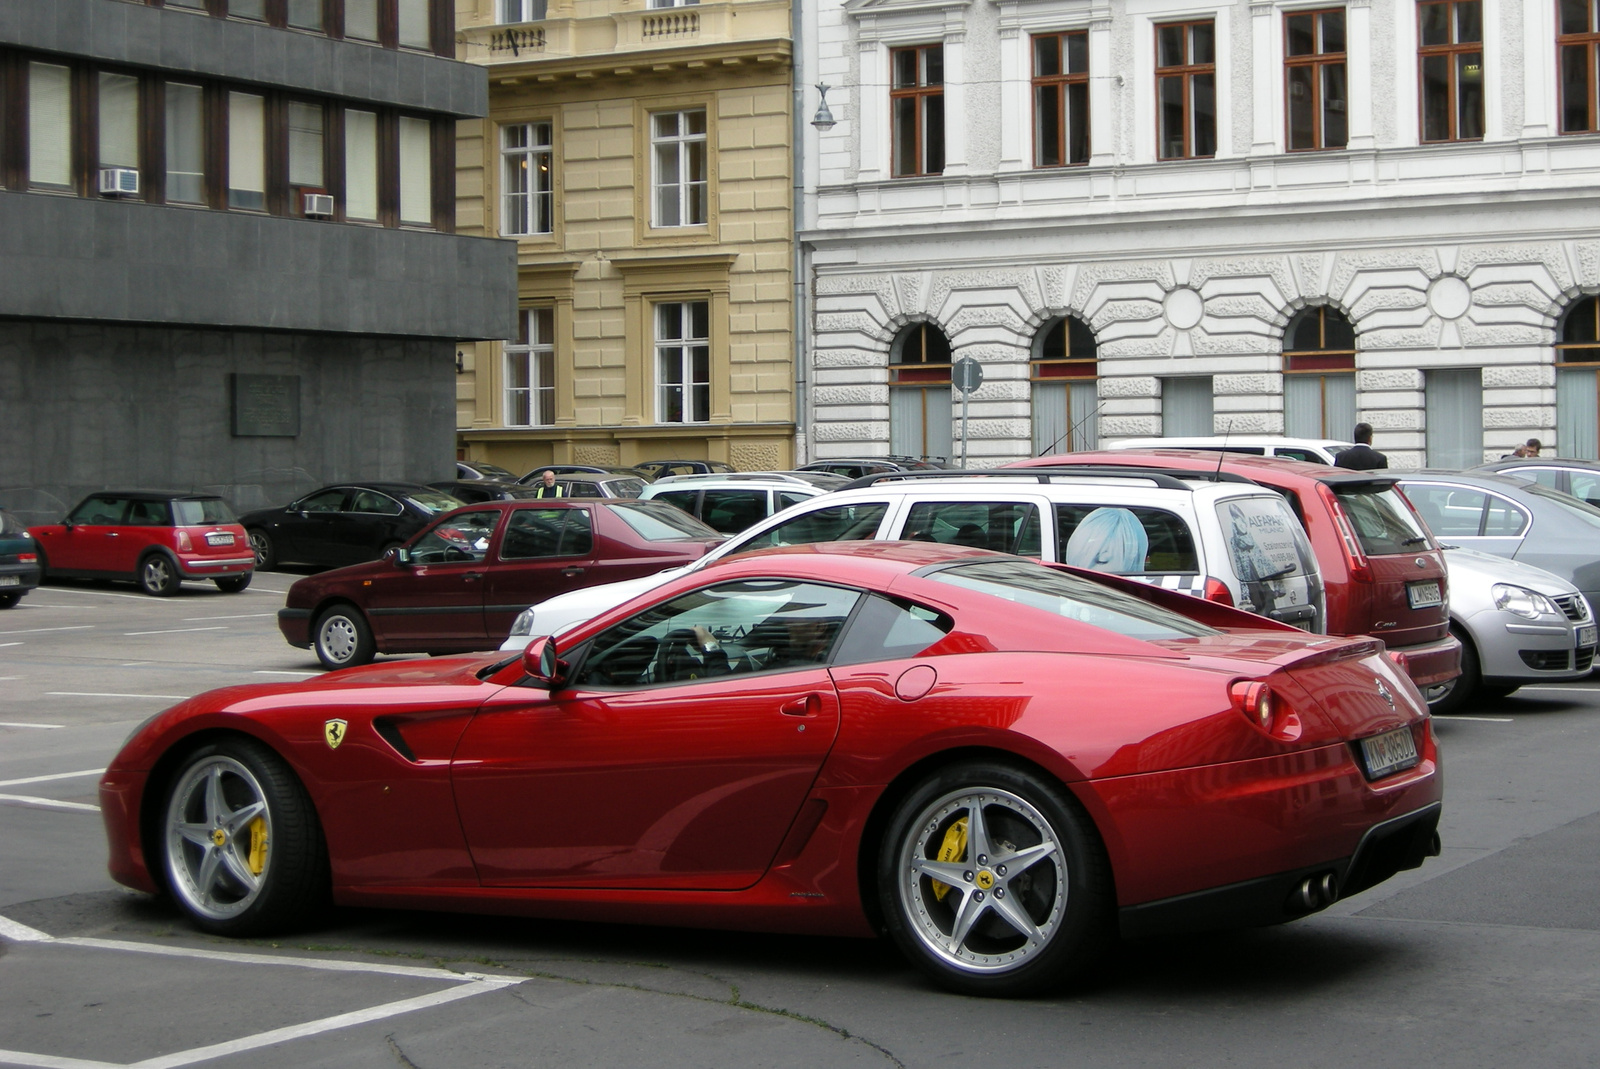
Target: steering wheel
x: 681, y: 656
x: 628, y: 664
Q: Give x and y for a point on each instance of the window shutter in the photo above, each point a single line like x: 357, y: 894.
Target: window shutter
x: 414, y: 24
x: 361, y: 19
x: 305, y: 145
x: 185, y: 143
x: 361, y: 165
x: 119, y: 120
x: 416, y: 171
x: 49, y: 125
x: 247, y: 161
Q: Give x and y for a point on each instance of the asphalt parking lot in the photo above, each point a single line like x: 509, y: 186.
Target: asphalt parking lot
x: 1487, y: 956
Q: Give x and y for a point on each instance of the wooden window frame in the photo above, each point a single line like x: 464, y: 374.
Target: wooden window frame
x: 533, y: 152
x: 1316, y: 61
x: 1592, y: 306
x: 1590, y: 42
x: 685, y: 344
x: 921, y: 92
x: 921, y: 371
x: 1187, y: 71
x: 1453, y: 93
x: 1068, y: 366
x: 1061, y: 83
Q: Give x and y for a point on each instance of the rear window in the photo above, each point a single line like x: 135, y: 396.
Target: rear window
x: 1580, y: 510
x: 207, y: 510
x: 1125, y: 541
x: 1071, y: 597
x: 657, y: 522
x: 626, y: 487
x: 1382, y: 520
x: 1265, y: 541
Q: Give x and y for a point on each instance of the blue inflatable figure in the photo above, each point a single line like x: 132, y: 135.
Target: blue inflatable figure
x: 1109, y: 540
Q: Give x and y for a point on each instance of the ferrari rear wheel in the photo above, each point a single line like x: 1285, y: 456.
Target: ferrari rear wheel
x: 994, y: 882
x: 243, y: 852
x: 343, y: 638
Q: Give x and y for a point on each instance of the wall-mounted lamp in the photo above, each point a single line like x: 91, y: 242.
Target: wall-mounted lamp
x: 823, y: 119
x: 461, y: 361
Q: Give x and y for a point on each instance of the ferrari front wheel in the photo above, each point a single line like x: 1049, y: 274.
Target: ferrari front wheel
x: 993, y: 881
x: 243, y: 852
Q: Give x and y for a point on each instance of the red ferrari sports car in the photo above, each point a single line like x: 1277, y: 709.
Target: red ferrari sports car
x: 1001, y: 764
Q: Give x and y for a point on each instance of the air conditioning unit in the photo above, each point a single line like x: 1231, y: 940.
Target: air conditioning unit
x: 319, y: 205
x: 119, y: 181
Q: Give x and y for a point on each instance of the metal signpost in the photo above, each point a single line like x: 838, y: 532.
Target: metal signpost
x: 967, y: 375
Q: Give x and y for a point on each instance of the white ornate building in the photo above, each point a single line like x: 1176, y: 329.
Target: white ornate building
x: 1100, y: 203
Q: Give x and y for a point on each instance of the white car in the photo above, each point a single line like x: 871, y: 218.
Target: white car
x: 1311, y: 450
x: 731, y: 502
x: 1229, y: 540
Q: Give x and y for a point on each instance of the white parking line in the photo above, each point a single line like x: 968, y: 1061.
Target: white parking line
x: 241, y: 616
x: 42, y: 630
x: 52, y: 776
x: 13, y: 643
x: 176, y: 630
x: 102, y: 694
x: 97, y: 593
x: 16, y: 724
x: 1558, y: 687
x: 45, y: 803
x: 1484, y: 719
x: 283, y: 672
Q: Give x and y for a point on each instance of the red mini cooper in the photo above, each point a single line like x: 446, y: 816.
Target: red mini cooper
x: 157, y: 538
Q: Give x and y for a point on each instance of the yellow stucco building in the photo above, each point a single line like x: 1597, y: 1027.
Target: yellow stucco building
x: 641, y: 157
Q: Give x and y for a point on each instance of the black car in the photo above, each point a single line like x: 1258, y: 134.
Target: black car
x: 564, y: 470
x: 477, y: 469
x: 656, y: 469
x: 19, y: 561
x: 343, y: 524
x: 857, y: 467
x: 477, y: 491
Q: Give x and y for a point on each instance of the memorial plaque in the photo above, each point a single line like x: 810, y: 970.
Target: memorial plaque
x: 266, y: 406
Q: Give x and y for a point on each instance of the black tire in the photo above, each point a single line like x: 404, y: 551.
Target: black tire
x: 158, y: 576
x: 342, y: 638
x: 1463, y: 688
x: 1066, y: 894
x: 232, y: 584
x: 8, y: 601
x: 261, y: 545
x: 1493, y: 692
x: 270, y: 871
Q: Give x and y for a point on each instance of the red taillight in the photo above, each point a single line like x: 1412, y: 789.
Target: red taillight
x: 1217, y: 591
x: 184, y: 542
x: 1354, y: 554
x: 28, y: 558
x: 1401, y: 661
x: 1255, y: 701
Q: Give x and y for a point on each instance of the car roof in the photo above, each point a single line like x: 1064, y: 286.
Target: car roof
x: 388, y: 487
x: 779, y: 479
x: 1488, y: 480
x: 156, y: 495
x: 1277, y: 469
x: 1539, y: 462
x: 1207, y: 440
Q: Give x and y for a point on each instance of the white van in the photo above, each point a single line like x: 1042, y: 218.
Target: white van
x: 1311, y: 450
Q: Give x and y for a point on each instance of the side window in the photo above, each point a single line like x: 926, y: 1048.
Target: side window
x: 1503, y: 518
x: 100, y: 510
x: 1300, y: 454
x: 463, y: 537
x: 1005, y: 527
x: 1543, y: 476
x: 785, y: 499
x: 731, y: 511
x: 1585, y: 487
x: 326, y: 501
x: 1449, y: 512
x: 149, y: 514
x: 370, y: 501
x: 888, y: 629
x: 547, y: 533
x: 575, y: 489
x: 841, y: 523
x: 752, y: 625
x: 687, y: 500
x: 1125, y: 541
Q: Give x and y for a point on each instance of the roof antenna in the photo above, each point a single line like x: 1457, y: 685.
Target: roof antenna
x: 1071, y: 429
x: 1222, y: 453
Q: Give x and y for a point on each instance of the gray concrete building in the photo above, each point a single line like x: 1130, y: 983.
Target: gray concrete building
x: 227, y: 248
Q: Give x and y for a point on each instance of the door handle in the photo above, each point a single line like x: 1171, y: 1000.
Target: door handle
x: 569, y: 572
x: 810, y: 705
x: 112, y: 534
x: 472, y: 575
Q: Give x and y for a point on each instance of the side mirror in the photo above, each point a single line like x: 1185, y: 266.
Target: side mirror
x: 398, y: 555
x: 540, y: 664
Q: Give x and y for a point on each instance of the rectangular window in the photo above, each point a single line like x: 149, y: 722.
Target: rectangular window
x: 1453, y: 408
x: 1450, y: 66
x: 192, y: 5
x: 119, y: 120
x: 416, y: 171
x: 916, y: 105
x: 1061, y: 98
x: 306, y: 156
x: 678, y: 154
x: 514, y: 11
x: 306, y: 14
x: 1578, y: 42
x: 528, y: 198
x: 1186, y: 89
x: 1319, y: 406
x: 49, y: 125
x: 247, y: 160
x: 1314, y: 79
x: 1186, y: 407
x: 683, y: 362
x: 414, y: 24
x: 186, y: 177
x: 248, y: 9
x: 531, y: 370
x: 361, y: 20
x: 361, y: 166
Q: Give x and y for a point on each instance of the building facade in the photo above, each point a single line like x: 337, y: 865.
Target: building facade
x: 228, y: 257
x: 640, y: 157
x: 1148, y: 216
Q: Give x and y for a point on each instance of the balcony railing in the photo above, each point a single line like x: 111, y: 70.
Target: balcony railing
x: 627, y: 31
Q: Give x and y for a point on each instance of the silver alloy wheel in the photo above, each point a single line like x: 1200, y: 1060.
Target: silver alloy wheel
x: 260, y: 546
x: 337, y: 638
x: 210, y: 838
x: 157, y: 576
x: 1005, y: 899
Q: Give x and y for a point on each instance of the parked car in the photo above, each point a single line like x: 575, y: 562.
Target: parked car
x: 157, y: 538
x: 593, y: 484
x: 656, y: 469
x: 343, y: 524
x: 1310, y: 450
x: 1517, y: 624
x: 564, y: 470
x: 859, y: 467
x: 19, y: 561
x: 460, y: 582
x: 473, y: 491
x: 730, y: 503
x: 1385, y: 575
x: 1512, y: 518
x: 1229, y: 541
x: 477, y: 469
x: 1579, y: 478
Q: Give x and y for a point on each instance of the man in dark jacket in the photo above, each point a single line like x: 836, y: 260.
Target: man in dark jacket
x: 1361, y: 456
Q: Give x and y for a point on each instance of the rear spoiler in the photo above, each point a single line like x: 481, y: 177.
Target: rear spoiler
x: 1197, y: 609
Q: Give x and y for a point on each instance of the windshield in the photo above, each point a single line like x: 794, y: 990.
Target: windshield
x: 1075, y: 599
x: 1579, y: 510
x: 195, y: 513
x: 657, y: 522
x: 1382, y: 520
x: 433, y: 501
x: 9, y: 525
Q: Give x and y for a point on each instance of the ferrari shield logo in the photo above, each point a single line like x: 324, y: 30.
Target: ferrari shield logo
x: 333, y: 731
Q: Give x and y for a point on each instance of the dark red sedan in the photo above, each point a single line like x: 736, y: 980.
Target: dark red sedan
x: 1000, y: 763
x: 459, y: 583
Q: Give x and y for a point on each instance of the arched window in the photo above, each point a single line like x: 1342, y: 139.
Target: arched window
x: 1319, y: 374
x: 919, y: 392
x: 1578, y: 381
x: 1064, y: 371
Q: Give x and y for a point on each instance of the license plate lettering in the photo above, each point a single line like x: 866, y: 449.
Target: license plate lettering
x: 1423, y: 595
x: 1588, y: 634
x: 10, y: 580
x: 220, y: 539
x: 1389, y: 752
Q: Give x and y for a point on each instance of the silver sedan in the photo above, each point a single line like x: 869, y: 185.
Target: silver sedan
x: 1517, y: 624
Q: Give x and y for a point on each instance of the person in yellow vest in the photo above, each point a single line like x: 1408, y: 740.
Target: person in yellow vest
x: 547, y: 486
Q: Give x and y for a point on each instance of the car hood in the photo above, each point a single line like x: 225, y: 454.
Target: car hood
x: 1468, y: 566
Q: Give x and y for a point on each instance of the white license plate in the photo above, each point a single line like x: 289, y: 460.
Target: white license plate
x: 1423, y: 595
x: 1389, y: 752
x: 16, y: 580
x: 221, y: 538
x: 1587, y: 635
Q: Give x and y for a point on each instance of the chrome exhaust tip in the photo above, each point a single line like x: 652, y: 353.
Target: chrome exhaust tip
x: 1315, y: 892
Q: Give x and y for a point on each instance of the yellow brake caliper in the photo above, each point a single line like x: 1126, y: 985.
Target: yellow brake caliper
x: 954, y: 848
x: 258, y: 845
